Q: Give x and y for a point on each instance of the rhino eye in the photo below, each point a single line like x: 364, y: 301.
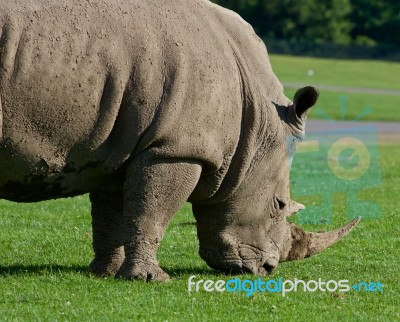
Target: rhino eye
x: 281, y: 203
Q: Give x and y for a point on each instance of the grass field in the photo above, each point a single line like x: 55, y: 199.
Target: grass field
x: 45, y: 249
x: 364, y: 74
x: 352, y: 73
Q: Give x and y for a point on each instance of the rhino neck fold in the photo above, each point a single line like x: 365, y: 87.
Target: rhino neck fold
x: 253, y: 129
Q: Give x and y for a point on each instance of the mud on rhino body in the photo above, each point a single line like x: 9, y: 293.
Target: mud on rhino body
x: 147, y: 104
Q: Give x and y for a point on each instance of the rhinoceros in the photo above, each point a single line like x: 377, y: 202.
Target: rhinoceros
x: 146, y: 105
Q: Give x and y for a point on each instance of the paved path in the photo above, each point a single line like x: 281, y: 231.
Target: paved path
x: 380, y: 127
x: 387, y: 132
x: 346, y: 89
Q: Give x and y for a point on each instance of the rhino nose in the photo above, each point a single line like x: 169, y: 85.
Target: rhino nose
x: 266, y: 269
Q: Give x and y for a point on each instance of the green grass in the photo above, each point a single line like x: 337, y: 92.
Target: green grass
x: 370, y: 74
x: 46, y: 247
x: 352, y: 73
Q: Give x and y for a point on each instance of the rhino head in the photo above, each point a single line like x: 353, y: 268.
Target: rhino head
x: 249, y: 232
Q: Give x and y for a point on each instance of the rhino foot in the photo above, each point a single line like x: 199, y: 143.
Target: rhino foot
x: 142, y: 270
x: 104, y: 268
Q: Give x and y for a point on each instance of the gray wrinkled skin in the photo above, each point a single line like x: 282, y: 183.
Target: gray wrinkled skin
x: 147, y: 104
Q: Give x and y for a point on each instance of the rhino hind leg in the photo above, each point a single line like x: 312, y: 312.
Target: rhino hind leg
x: 107, y: 215
x: 154, y: 191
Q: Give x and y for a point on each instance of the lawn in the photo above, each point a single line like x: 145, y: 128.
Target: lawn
x: 45, y: 249
x: 338, y: 72
x: 365, y: 74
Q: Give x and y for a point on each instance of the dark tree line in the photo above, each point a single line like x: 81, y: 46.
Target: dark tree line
x: 341, y: 22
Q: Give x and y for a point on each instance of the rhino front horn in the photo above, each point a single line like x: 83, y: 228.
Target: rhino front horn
x: 303, y: 244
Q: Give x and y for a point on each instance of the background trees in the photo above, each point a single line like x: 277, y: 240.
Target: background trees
x: 342, y: 22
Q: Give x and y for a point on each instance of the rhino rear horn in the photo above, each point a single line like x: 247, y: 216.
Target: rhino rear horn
x: 305, y: 244
x: 304, y: 98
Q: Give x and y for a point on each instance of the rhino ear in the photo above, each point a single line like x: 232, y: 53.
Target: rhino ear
x: 303, y: 99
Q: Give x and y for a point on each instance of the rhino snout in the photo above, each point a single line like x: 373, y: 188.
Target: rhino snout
x: 246, y: 259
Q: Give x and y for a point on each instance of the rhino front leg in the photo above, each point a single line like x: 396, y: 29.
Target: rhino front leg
x: 154, y: 191
x: 107, y: 216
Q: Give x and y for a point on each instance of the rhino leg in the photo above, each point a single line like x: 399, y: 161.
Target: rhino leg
x: 107, y: 215
x: 154, y: 191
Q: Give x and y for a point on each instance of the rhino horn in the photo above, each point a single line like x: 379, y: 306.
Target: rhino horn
x: 305, y: 244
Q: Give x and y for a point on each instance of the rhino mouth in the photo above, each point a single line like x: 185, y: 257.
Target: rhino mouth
x: 260, y: 263
x: 266, y: 269
x: 238, y: 267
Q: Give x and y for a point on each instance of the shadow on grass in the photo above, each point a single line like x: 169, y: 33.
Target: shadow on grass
x: 178, y: 272
x: 46, y: 269
x: 42, y: 269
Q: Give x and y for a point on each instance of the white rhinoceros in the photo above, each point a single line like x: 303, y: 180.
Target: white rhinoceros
x: 144, y: 105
